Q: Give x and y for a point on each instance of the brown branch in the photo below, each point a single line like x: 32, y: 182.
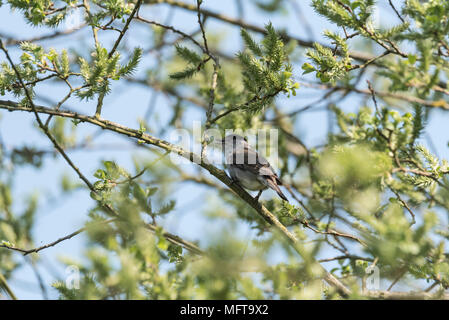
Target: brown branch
x: 173, y: 29
x: 39, y: 121
x: 396, y: 11
x: 237, y: 22
x: 242, y: 106
x: 370, y: 61
x: 60, y: 150
x: 269, y: 217
x: 37, y: 249
x: 331, y: 232
x: 125, y: 28
x: 214, y: 80
x: 351, y: 257
x: 169, y: 236
x: 400, y: 275
x: 406, y: 206
x: 393, y: 49
x: 4, y: 285
x: 11, y: 41
x: 198, y: 9
x: 399, y: 96
x: 114, y: 48
x: 419, y: 295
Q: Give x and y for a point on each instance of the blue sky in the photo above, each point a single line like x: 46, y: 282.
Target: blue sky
x: 58, y: 216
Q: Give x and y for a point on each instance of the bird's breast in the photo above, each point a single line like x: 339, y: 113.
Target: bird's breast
x: 246, y: 179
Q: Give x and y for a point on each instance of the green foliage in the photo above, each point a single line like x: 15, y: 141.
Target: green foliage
x: 372, y: 191
x: 42, y: 12
x: 345, y: 13
x: 103, y: 68
x: 329, y: 68
x: 15, y: 225
x: 114, y: 8
x: 396, y: 243
x: 130, y: 67
x: 265, y: 69
x: 195, y: 63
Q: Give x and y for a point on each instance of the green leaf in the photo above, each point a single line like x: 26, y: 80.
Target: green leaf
x: 100, y: 174
x: 151, y: 191
x: 167, y: 208
x: 185, y: 74
x: 95, y: 196
x: 113, y: 171
x: 250, y: 43
x: 308, y: 68
x: 188, y: 55
x: 131, y: 66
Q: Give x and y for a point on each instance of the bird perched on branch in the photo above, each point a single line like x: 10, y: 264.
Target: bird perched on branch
x: 248, y: 168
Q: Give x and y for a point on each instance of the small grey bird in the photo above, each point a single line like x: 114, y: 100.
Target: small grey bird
x: 248, y: 168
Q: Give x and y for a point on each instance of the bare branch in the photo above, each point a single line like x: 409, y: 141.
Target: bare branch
x: 219, y: 174
x: 169, y: 236
x: 114, y: 48
x: 237, y: 22
x: 4, y: 285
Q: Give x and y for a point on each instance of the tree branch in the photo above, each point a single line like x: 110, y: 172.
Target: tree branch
x: 114, y: 48
x: 169, y: 236
x: 4, y: 285
x: 237, y: 22
x: 219, y: 174
x: 419, y: 295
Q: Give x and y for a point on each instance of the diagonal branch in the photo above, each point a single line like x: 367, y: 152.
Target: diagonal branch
x: 237, y: 22
x: 58, y: 147
x: 39, y: 120
x: 269, y: 217
x: 114, y: 48
x: 4, y: 285
x: 125, y: 28
x: 169, y: 236
x: 214, y: 80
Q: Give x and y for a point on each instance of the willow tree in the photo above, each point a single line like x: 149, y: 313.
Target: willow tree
x: 367, y: 211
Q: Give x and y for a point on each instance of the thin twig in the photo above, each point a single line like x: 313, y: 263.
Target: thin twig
x: 219, y: 174
x: 373, y: 96
x: 125, y: 28
x: 4, y: 285
x: 39, y: 121
x: 237, y: 22
x: 396, y: 11
x: 406, y: 206
x: 114, y: 48
x: 198, y: 4
x: 59, y: 148
x: 169, y: 236
x: 214, y: 82
x: 401, y: 274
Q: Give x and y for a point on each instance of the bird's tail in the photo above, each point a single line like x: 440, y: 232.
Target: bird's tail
x: 274, y: 184
x: 279, y: 192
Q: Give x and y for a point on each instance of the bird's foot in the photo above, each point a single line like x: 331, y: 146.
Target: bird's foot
x: 258, y: 196
x: 234, y: 181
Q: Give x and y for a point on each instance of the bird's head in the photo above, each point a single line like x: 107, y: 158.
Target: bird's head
x: 234, y: 140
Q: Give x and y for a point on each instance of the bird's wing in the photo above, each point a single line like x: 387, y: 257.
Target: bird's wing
x: 250, y: 160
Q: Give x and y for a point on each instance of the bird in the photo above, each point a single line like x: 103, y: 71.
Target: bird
x: 248, y: 168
